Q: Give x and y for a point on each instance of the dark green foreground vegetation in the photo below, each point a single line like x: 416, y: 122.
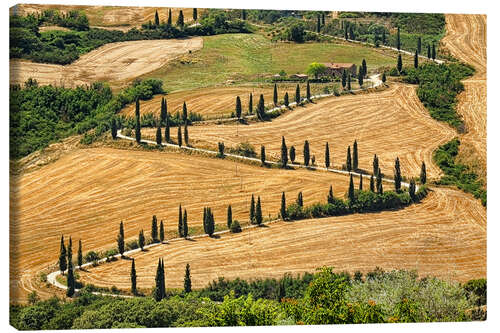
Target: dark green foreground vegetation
x: 326, y: 297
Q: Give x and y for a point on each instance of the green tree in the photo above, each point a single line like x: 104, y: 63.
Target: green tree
x: 275, y: 94
x: 114, y: 131
x: 318, y: 24
x: 380, y: 189
x: 142, y: 240
x: 62, y: 257
x: 187, y: 279
x: 383, y: 37
x: 323, y: 19
x: 285, y: 99
x: 330, y: 198
x: 250, y: 104
x: 355, y: 155
x: 186, y: 134
x: 261, y: 113
x: 243, y: 14
x: 308, y: 91
x: 157, y: 19
x: 80, y: 254
x: 258, y: 212
x: 184, y: 112
x: 350, y: 193
x: 428, y: 51
x: 419, y: 45
x: 297, y: 95
x: 360, y: 77
x: 133, y: 278
x: 167, y: 128
x: 137, y: 121
x: 375, y: 164
x: 296, y: 33
x: 185, y: 224
x: 348, y: 162
x: 229, y: 216
x: 360, y: 182
x: 120, y: 240
x: 169, y: 20
x: 160, y: 277
x: 433, y: 52
x: 154, y: 229
x: 306, y: 153
x: 316, y: 69
x: 70, y: 281
x: 327, y: 156
x: 162, y: 232
x: 158, y: 135
x: 300, y: 200
x: 180, y: 19
x: 364, y: 67
x: 398, y: 40
x: 284, y: 153
x: 180, y: 224
x: 345, y: 32
x: 220, y: 147
x: 283, y: 207
x: 195, y: 14
x: 415, y: 59
x: 372, y: 184
x: 292, y: 154
x: 179, y: 136
x: 344, y: 78
x: 352, y: 36
x: 397, y: 175
x: 400, y: 63
x: 423, y: 173
x: 263, y: 155
x: 384, y: 78
x: 252, y: 210
x: 238, y: 107
x: 163, y: 112
x: 349, y: 82
x: 411, y: 189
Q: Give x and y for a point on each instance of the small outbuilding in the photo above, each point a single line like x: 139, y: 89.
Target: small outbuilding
x: 336, y: 69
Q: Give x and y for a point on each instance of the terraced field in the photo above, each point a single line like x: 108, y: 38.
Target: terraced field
x: 444, y: 236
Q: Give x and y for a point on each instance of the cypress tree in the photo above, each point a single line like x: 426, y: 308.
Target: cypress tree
x: 330, y: 198
x: 179, y: 136
x: 361, y: 182
x: 243, y: 14
x: 186, y: 134
x: 283, y: 206
x: 120, y: 240
x: 71, y: 277
x: 275, y: 94
x: 419, y: 45
x: 169, y: 20
x: 187, y: 280
x: 292, y: 154
x: 238, y: 107
x: 318, y: 24
x: 250, y: 104
x: 306, y: 153
x: 180, y: 19
x: 133, y: 278
x: 372, y: 184
x: 351, y: 191
x: 379, y: 182
x: 167, y: 127
x: 383, y: 37
x: 261, y: 113
x: 360, y: 77
x: 179, y: 225
x: 433, y: 52
x: 142, y: 240
x: 229, y: 216
x: 344, y: 78
x: 423, y: 173
x: 297, y: 94
x: 348, y: 162
x: 349, y: 82
x: 220, y: 147
x: 263, y: 155
x: 205, y: 225
x: 162, y: 232
x: 300, y: 200
x: 286, y: 102
x: 398, y: 40
x: 375, y: 164
x: 157, y: 294
x: 158, y: 136
x: 252, y: 210
x: 114, y: 131
x: 384, y: 78
x: 428, y: 51
x: 351, y: 32
x: 355, y: 155
x: 163, y: 111
x: 184, y: 112
x: 308, y: 91
x: 195, y: 14
x: 411, y: 190
x: 327, y: 156
x: 365, y: 69
x: 157, y: 19
x: 137, y: 121
x: 284, y: 153
x: 400, y: 63
x: 62, y: 257
x: 258, y: 212
x: 345, y: 33
x: 162, y: 280
x: 80, y: 253
x: 185, y: 224
x: 397, y: 175
x: 415, y: 59
x: 323, y: 19
x: 154, y: 229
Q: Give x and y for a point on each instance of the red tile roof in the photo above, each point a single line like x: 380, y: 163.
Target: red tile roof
x: 338, y: 65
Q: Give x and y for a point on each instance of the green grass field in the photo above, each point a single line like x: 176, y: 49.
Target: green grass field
x: 252, y: 57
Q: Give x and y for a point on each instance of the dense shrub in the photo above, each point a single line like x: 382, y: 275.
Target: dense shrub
x: 235, y: 226
x: 476, y: 289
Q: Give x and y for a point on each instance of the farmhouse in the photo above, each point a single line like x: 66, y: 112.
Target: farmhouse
x: 336, y: 69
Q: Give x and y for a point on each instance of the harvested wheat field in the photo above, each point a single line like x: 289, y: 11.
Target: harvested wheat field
x: 466, y: 40
x: 117, y: 63
x: 86, y: 193
x: 217, y: 102
x: 445, y: 236
x: 111, y: 16
x: 389, y: 123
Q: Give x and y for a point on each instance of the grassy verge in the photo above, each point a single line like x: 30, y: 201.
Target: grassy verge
x: 458, y: 174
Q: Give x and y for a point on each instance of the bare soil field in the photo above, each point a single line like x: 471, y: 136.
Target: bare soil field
x: 445, y: 236
x: 466, y: 40
x: 111, y: 16
x: 114, y: 62
x: 86, y: 193
x: 390, y: 123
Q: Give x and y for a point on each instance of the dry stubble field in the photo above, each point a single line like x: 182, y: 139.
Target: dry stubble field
x: 116, y: 63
